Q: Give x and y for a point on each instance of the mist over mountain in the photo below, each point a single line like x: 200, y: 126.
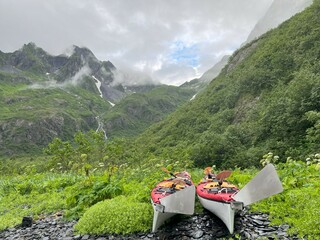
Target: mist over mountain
x: 44, y: 96
x: 278, y: 12
x: 266, y: 99
x: 80, y: 63
x: 82, y: 143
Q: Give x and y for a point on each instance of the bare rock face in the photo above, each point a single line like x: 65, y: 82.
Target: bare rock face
x: 27, y: 135
x: 240, y: 56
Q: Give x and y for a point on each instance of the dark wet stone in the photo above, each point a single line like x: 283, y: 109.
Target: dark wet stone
x: 258, y: 222
x: 85, y: 237
x: 197, y: 234
x: 185, y: 238
x: 285, y: 227
x: 26, y: 222
x: 69, y: 232
x: 202, y: 226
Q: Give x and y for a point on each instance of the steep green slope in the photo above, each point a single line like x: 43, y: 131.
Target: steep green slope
x: 35, y: 108
x: 138, y: 111
x: 266, y: 99
x: 31, y: 117
x: 44, y: 96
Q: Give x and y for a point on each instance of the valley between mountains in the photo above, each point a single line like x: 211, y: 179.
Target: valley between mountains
x: 79, y: 141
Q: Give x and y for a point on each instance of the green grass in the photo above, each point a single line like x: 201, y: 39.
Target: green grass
x: 32, y: 195
x: 35, y: 194
x: 298, y: 205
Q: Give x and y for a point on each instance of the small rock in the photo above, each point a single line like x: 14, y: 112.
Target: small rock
x: 197, y: 234
x: 69, y: 233
x: 285, y: 227
x: 247, y: 235
x: 26, y: 222
x: 258, y: 222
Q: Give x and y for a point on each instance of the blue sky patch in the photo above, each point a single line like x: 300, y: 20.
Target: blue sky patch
x: 185, y: 54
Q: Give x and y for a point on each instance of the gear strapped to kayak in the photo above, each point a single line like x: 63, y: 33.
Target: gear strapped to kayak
x: 172, y: 196
x: 170, y: 186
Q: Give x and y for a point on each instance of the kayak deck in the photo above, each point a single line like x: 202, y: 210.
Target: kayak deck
x: 168, y: 187
x: 217, y: 192
x: 172, y: 196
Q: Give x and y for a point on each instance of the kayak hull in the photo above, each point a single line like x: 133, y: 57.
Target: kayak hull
x: 180, y: 202
x: 222, y: 210
x: 159, y: 219
x: 224, y: 199
x: 218, y: 198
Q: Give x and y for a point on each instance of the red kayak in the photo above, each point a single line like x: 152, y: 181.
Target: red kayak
x: 224, y: 199
x: 216, y: 191
x: 172, y: 196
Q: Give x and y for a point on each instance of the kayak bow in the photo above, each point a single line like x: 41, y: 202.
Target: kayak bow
x: 172, y: 196
x: 224, y: 199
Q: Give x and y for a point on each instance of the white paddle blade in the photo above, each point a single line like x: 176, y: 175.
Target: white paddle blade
x: 265, y: 184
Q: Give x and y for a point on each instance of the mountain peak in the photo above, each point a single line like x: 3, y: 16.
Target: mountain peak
x: 83, y: 51
x: 108, y: 64
x: 30, y: 47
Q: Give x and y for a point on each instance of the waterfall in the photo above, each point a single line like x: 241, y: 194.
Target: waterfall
x: 100, y: 127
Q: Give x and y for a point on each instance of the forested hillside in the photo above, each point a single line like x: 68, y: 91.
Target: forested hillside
x: 266, y: 99
x: 44, y: 96
x: 263, y: 108
x: 138, y: 111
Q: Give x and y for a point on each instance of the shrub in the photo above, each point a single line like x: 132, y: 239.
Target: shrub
x: 120, y: 215
x: 298, y: 204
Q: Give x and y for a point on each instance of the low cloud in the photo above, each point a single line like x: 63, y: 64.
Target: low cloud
x: 53, y: 83
x: 46, y: 85
x: 84, y: 71
x: 129, y: 77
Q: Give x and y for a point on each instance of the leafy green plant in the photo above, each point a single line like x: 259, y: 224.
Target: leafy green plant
x: 269, y: 158
x: 32, y: 195
x: 298, y: 204
x: 89, y: 191
x: 120, y: 215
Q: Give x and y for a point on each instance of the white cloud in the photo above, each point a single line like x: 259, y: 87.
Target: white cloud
x: 130, y: 77
x: 135, y: 33
x: 84, y: 71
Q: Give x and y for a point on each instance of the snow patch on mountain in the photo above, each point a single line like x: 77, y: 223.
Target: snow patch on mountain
x: 112, y: 104
x: 98, y: 84
x: 193, y: 97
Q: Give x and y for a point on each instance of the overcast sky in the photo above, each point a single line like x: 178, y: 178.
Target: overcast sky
x: 173, y: 41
